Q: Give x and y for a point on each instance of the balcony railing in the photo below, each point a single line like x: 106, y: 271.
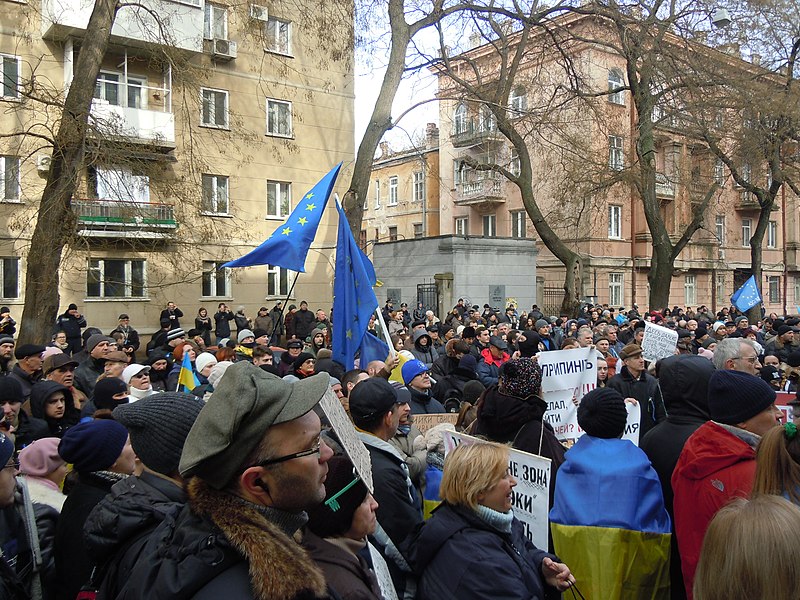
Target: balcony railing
x: 664, y: 187
x: 137, y: 112
x: 480, y: 191
x: 474, y: 135
x: 122, y: 218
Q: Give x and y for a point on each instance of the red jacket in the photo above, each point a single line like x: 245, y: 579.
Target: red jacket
x: 716, y: 465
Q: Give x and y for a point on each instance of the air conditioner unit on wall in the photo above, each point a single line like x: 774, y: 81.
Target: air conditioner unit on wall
x: 260, y: 13
x: 224, y: 49
x: 43, y: 163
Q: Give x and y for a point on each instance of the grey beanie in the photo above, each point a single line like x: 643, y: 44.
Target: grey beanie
x: 542, y: 323
x: 158, y: 426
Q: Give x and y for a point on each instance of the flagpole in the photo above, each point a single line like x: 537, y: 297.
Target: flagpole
x: 283, y: 307
x: 385, y: 331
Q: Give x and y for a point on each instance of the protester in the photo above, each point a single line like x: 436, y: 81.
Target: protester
x: 28, y: 369
x: 434, y: 443
x: 473, y: 547
x: 44, y: 471
x: 53, y: 403
x: 137, y: 377
x: 778, y: 463
x: 637, y: 385
x: 409, y: 442
x: 16, y: 424
x: 416, y: 376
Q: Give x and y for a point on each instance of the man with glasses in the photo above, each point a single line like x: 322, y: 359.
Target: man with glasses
x: 737, y: 354
x: 252, y: 464
x: 376, y: 410
x: 416, y: 377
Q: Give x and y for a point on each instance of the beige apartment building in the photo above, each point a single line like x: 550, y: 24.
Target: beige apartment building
x: 607, y: 228
x: 403, y: 200
x: 208, y: 127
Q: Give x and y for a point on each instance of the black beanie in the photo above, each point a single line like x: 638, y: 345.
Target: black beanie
x: 472, y: 391
x: 301, y: 358
x: 105, y: 390
x: 734, y: 397
x: 336, y: 517
x: 602, y: 413
x: 530, y: 346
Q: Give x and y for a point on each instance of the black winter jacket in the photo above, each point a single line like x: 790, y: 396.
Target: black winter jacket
x: 645, y: 390
x: 458, y: 556
x: 303, y: 324
x: 424, y: 403
x: 29, y: 429
x: 87, y: 373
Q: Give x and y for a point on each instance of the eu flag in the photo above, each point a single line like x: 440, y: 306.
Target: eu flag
x: 747, y: 296
x: 353, y: 298
x: 372, y: 348
x: 288, y: 245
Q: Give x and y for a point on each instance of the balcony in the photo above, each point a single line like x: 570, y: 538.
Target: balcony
x: 665, y: 188
x: 135, y: 25
x: 124, y: 219
x: 475, y: 136
x: 154, y: 124
x: 748, y: 202
x: 484, y: 193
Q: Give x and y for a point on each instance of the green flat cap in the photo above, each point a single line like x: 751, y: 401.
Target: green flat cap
x: 246, y: 403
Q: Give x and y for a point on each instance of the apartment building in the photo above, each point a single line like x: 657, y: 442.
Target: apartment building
x: 209, y: 122
x: 606, y: 226
x: 403, y: 200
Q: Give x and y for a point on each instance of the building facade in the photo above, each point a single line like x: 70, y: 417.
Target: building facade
x: 207, y: 127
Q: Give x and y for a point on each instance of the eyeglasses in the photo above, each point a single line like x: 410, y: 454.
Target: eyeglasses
x: 751, y: 359
x: 315, y: 449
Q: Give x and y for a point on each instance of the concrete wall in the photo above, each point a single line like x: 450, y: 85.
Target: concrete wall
x: 484, y: 270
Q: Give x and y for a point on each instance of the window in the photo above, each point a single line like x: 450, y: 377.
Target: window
x: 115, y: 278
x: 215, y: 107
x: 518, y: 101
x: 278, y: 36
x: 393, y: 234
x: 720, y: 225
x: 514, y: 164
x: 615, y: 289
x: 279, y: 199
x: 719, y: 172
x: 215, y: 22
x: 215, y: 194
x: 418, y: 233
x: 615, y: 81
x: 10, y: 277
x: 616, y: 159
x: 277, y: 281
x: 746, y: 235
x: 460, y: 119
x: 377, y: 193
x: 362, y: 239
x: 518, y: 224
x: 772, y: 234
x: 489, y: 226
x: 459, y: 172
x: 462, y: 226
x: 9, y: 177
x: 720, y: 286
x: 279, y: 118
x: 392, y: 190
x: 487, y: 121
x: 216, y: 281
x: 690, y: 290
x: 774, y: 285
x: 419, y: 186
x: 614, y: 222
x: 108, y: 86
x: 797, y: 290
x: 120, y: 185
x: 747, y: 172
x: 9, y: 70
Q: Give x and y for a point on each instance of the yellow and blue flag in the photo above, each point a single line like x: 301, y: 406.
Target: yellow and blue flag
x: 288, y: 245
x: 609, y: 523
x: 186, y: 377
x: 353, y: 297
x: 747, y: 296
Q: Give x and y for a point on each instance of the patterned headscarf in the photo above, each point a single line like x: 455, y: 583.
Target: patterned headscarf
x: 521, y: 377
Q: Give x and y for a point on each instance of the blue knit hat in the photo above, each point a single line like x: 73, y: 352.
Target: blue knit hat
x: 411, y: 369
x: 93, y: 445
x: 6, y: 449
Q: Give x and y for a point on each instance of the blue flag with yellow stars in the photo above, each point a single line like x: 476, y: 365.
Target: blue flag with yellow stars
x: 354, y: 300
x: 288, y: 245
x: 747, y: 296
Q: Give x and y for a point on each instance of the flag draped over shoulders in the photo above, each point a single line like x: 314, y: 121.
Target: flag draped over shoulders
x: 609, y: 523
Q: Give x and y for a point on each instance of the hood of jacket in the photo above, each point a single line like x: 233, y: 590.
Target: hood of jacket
x: 135, y: 504
x: 419, y: 334
x: 684, y: 386
x: 41, y: 391
x: 501, y: 416
x: 714, y: 447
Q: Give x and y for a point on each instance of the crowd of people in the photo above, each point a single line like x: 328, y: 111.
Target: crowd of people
x: 122, y: 481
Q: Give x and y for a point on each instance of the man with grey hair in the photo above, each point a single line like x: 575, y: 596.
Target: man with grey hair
x: 253, y: 462
x: 737, y: 354
x: 585, y: 337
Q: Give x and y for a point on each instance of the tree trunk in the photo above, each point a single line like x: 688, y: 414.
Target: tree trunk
x: 55, y: 224
x: 660, y: 277
x: 757, y: 253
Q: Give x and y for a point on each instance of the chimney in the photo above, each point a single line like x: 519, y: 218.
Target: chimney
x: 385, y: 151
x: 755, y: 59
x: 475, y: 40
x: 431, y: 136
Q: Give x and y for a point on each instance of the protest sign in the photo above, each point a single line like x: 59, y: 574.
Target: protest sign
x: 658, y: 342
x: 633, y: 423
x: 530, y: 497
x: 425, y: 422
x: 354, y: 448
x: 782, y: 402
x: 382, y: 574
x: 566, y: 376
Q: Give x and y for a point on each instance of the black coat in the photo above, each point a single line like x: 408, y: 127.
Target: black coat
x: 71, y: 326
x: 39, y: 395
x: 348, y: 574
x: 29, y: 429
x: 452, y: 385
x: 458, y: 556
x: 119, y: 526
x: 424, y: 404
x: 303, y: 324
x: 87, y: 373
x: 222, y: 324
x: 645, y: 390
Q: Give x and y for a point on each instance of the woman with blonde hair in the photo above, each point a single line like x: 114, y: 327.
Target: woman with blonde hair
x: 750, y: 551
x: 473, y: 547
x: 778, y: 463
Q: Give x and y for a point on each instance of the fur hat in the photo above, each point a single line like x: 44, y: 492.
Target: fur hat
x: 602, y: 413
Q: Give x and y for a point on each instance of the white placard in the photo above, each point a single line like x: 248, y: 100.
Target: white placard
x: 658, y: 342
x: 354, y: 448
x: 382, y: 574
x: 530, y: 498
x: 567, y: 375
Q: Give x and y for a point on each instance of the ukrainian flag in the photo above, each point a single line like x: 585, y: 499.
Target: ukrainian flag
x: 186, y: 377
x: 608, y: 521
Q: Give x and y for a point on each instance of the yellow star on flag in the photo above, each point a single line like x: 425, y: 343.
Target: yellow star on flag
x: 302, y: 220
x: 309, y: 195
x: 286, y: 231
x: 311, y: 206
x: 349, y: 334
